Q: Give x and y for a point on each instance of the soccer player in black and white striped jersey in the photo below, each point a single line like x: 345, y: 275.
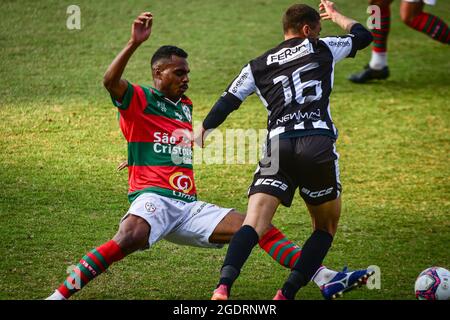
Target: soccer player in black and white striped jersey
x: 294, y: 81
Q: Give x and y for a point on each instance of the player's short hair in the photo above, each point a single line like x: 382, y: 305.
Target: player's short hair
x: 297, y: 15
x: 166, y: 52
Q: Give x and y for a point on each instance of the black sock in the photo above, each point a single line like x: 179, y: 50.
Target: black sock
x: 313, y: 252
x: 240, y: 247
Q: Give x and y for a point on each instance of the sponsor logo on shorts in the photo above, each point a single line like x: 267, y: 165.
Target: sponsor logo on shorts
x: 183, y: 196
x: 181, y: 182
x: 150, y: 207
x: 199, y: 209
x: 317, y: 194
x: 272, y: 182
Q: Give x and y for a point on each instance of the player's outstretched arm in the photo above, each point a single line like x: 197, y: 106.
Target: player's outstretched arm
x: 361, y: 36
x: 331, y: 13
x: 241, y: 87
x: 217, y: 115
x: 140, y: 32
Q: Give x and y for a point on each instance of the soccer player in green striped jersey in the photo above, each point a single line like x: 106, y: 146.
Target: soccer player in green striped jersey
x: 156, y: 122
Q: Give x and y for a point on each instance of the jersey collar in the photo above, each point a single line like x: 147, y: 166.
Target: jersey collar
x: 162, y: 96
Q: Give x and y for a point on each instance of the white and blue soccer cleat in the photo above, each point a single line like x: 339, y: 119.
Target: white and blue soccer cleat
x: 345, y: 281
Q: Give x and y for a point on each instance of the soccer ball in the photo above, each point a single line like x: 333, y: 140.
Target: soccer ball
x: 433, y: 284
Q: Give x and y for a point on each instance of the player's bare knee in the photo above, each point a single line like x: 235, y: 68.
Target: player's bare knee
x: 237, y: 220
x: 226, y: 228
x: 130, y: 241
x: 407, y: 18
x: 329, y: 225
x: 330, y: 228
x: 409, y: 11
x: 133, y: 234
x: 233, y: 222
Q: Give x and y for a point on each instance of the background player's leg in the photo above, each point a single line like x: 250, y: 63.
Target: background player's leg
x: 412, y: 15
x: 380, y: 37
x: 133, y: 235
x: 377, y: 67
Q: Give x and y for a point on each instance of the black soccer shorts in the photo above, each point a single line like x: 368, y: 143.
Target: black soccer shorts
x: 309, y: 163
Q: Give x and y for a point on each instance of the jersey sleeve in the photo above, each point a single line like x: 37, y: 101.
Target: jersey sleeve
x: 132, y: 103
x: 243, y: 85
x: 347, y: 46
x: 124, y: 103
x: 340, y: 47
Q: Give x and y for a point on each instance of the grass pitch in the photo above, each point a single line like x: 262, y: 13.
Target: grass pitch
x: 60, y: 195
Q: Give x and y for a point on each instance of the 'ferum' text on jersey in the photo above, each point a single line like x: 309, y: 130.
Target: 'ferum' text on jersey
x: 288, y: 54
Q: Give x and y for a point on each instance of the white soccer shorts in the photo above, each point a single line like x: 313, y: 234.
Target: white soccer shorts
x: 429, y: 2
x: 186, y: 223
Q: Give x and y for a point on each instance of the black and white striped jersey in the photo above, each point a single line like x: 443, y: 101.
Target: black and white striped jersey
x: 294, y: 81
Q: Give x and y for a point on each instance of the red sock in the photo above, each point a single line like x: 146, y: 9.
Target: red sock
x: 380, y: 36
x: 280, y: 248
x: 90, y: 266
x: 432, y: 26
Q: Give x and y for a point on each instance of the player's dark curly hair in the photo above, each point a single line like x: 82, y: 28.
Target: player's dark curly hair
x: 166, y: 52
x: 297, y: 15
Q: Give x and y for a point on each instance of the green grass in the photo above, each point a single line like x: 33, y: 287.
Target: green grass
x: 60, y: 195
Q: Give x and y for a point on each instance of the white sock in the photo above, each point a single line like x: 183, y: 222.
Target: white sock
x: 378, y: 60
x: 56, y: 296
x: 323, y: 275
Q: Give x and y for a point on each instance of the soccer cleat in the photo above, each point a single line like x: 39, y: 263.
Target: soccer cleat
x: 220, y: 293
x: 370, y: 74
x: 345, y: 281
x: 279, y: 296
